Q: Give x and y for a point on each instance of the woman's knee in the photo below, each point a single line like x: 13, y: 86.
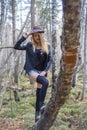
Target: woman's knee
x: 33, y: 75
x: 42, y: 80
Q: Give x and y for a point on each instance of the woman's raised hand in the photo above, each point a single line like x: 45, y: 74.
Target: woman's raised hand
x: 26, y: 35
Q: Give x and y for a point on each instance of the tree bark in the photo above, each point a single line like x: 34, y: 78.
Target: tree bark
x: 54, y: 44
x: 70, y: 43
x: 85, y: 59
x: 32, y: 13
x: 14, y: 20
x: 16, y: 62
x: 3, y: 21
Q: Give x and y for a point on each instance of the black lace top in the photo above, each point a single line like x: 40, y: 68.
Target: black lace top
x: 42, y: 58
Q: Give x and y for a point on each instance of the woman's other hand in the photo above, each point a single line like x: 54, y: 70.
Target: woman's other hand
x: 42, y: 73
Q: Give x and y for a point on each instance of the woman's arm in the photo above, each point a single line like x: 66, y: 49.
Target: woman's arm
x: 18, y: 45
x: 49, y: 60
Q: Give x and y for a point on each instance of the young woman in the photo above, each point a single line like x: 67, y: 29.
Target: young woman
x: 38, y: 61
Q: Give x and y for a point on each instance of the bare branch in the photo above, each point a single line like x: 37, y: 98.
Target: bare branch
x: 5, y: 47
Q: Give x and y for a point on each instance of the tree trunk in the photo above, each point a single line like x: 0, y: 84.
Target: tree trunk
x: 85, y: 58
x: 3, y: 20
x: 14, y: 19
x: 16, y: 62
x: 32, y: 13
x: 80, y: 63
x: 54, y: 43
x: 3, y: 42
x: 70, y: 43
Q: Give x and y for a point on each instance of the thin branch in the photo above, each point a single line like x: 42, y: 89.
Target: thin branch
x: 5, y: 47
x: 24, y: 24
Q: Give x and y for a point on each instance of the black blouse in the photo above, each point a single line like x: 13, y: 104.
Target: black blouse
x: 42, y: 58
x: 34, y: 59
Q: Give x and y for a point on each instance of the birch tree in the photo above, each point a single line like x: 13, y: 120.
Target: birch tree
x: 54, y: 43
x: 32, y: 13
x: 85, y: 58
x: 80, y: 62
x: 3, y: 42
x: 16, y: 61
x: 3, y: 18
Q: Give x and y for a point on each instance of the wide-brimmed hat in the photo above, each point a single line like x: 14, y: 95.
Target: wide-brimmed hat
x: 36, y: 29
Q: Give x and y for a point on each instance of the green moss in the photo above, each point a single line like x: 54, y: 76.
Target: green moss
x: 62, y: 127
x: 72, y: 111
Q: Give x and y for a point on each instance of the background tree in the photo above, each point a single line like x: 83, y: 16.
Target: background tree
x: 85, y: 57
x: 16, y: 60
x: 3, y: 19
x: 32, y: 13
x: 54, y: 43
x: 80, y: 61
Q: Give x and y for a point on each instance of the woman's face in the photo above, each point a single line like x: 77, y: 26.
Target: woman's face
x: 36, y: 38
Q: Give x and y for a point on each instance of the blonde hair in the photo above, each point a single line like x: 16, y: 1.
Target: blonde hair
x: 43, y: 44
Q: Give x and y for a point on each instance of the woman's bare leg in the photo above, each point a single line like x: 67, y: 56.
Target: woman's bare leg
x: 33, y: 76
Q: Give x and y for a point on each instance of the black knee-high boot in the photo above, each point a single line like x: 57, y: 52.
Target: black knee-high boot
x: 44, y: 82
x: 38, y: 99
x: 37, y: 114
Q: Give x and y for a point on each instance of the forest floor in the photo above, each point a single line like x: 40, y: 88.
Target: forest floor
x: 20, y: 115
